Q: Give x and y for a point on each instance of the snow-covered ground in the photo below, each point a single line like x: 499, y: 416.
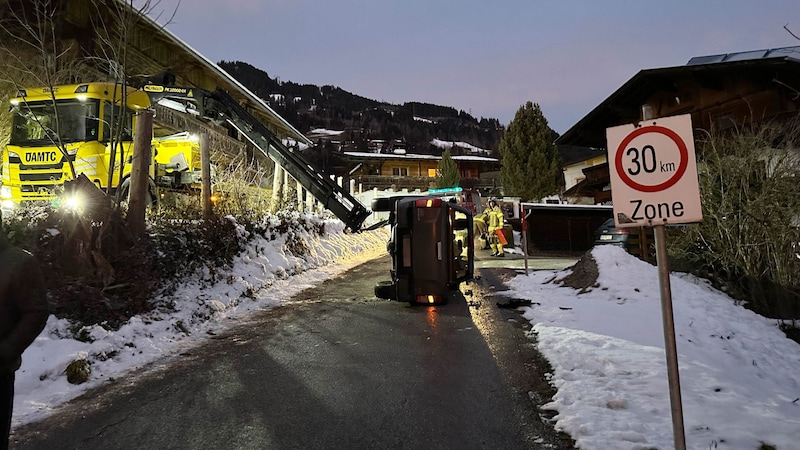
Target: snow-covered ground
x: 449, y: 144
x: 435, y: 142
x: 740, y: 376
x: 264, y: 276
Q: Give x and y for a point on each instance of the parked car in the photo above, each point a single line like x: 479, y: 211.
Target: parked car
x: 608, y: 233
x: 628, y: 238
x: 431, y: 245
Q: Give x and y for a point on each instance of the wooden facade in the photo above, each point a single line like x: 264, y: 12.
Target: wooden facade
x: 594, y: 188
x: 575, y: 173
x: 408, y: 167
x: 404, y: 171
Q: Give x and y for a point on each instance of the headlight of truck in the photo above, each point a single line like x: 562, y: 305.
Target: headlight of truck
x: 12, y: 154
x: 5, y: 192
x: 74, y: 203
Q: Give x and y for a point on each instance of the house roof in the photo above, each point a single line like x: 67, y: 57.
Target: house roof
x: 224, y: 80
x: 416, y: 157
x: 774, y: 67
x: 596, y: 178
x: 573, y: 154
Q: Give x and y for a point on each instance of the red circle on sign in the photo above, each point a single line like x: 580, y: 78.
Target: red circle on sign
x: 684, y: 163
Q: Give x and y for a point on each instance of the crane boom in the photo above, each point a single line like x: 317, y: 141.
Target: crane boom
x: 219, y: 107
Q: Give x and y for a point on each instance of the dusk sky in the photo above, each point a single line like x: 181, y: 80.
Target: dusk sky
x: 486, y: 58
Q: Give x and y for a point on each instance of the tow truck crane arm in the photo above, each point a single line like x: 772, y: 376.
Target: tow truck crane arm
x: 219, y: 107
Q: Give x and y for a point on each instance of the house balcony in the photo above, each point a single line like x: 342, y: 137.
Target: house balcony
x: 397, y: 183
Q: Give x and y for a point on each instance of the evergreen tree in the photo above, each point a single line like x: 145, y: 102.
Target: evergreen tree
x: 530, y: 162
x: 448, y: 172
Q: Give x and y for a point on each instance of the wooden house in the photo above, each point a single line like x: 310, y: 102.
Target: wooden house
x: 719, y: 91
x: 400, y: 170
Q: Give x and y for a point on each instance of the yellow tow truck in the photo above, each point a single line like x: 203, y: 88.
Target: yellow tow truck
x: 61, y: 132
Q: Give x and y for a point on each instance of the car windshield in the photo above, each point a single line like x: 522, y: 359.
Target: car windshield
x: 43, y: 123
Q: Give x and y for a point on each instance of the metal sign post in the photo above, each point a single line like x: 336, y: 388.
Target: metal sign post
x: 654, y: 183
x: 670, y: 347
x: 524, y: 227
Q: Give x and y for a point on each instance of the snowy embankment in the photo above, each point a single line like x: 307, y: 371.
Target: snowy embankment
x: 263, y: 276
x: 739, y: 373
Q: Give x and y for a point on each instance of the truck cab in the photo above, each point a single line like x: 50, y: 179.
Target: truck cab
x: 61, y: 132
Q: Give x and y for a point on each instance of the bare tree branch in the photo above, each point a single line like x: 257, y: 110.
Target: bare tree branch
x: 786, y: 27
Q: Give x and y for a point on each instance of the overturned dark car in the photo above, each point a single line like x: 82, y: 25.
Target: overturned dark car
x: 431, y: 246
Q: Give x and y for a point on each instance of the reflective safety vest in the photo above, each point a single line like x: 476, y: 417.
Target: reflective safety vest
x: 495, y: 218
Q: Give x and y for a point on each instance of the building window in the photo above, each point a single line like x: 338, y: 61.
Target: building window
x: 400, y: 171
x: 432, y: 173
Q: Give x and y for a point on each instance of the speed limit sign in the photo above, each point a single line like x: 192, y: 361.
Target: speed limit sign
x: 654, y: 173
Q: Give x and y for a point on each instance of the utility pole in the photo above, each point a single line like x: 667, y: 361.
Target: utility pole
x: 205, y: 175
x: 140, y: 171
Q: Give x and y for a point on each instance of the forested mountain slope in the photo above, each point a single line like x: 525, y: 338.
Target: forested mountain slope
x: 414, y: 124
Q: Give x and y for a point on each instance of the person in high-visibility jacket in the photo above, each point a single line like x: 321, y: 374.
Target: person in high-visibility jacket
x: 495, y: 226
x: 479, y: 225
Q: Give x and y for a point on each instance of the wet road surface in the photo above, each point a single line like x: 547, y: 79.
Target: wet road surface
x: 334, y: 368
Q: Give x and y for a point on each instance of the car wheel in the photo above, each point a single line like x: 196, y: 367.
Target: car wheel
x: 124, y: 193
x: 386, y: 290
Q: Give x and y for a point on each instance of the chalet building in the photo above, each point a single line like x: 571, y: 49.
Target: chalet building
x: 594, y: 186
x: 720, y: 92
x: 387, y: 164
x: 399, y: 170
x: 581, y: 166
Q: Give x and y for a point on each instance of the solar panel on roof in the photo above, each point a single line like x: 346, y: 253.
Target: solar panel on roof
x: 746, y: 56
x: 793, y: 52
x: 706, y: 59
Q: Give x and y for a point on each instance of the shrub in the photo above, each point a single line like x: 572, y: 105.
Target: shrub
x: 749, y: 240
x: 97, y: 272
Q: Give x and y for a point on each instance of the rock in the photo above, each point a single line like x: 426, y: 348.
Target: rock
x: 78, y: 371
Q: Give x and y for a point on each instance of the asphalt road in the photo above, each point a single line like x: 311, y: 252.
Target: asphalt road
x: 334, y: 368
